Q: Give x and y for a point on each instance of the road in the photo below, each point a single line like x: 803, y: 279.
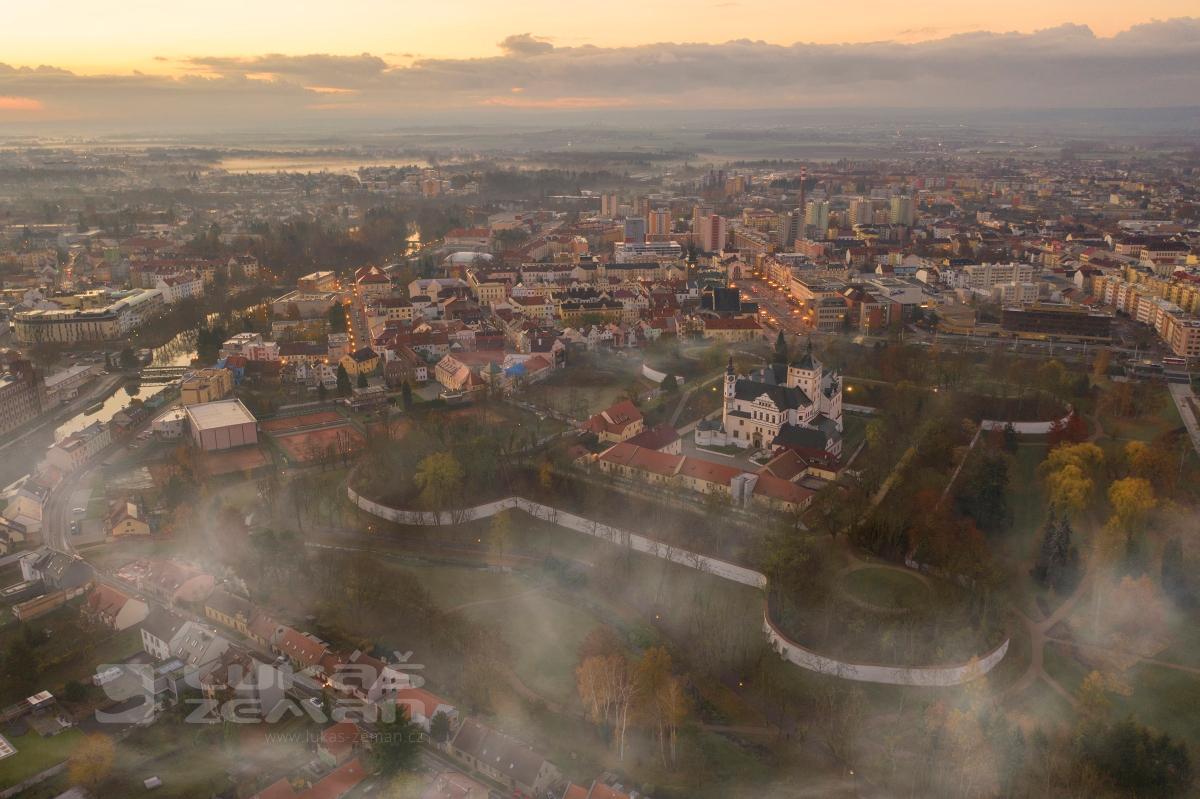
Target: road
x: 56, y: 515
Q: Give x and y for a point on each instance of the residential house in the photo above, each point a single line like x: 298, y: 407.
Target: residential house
x: 457, y: 376
x: 333, y: 785
x: 127, y: 519
x: 158, y: 630
x: 107, y: 607
x: 171, y: 581
x: 500, y: 757
x: 453, y: 785
x: 258, y: 686
x: 423, y: 705
x: 303, y: 650
x: 78, y: 448
x: 617, y: 423
x: 197, y: 647
x: 340, y: 742
x: 598, y: 791
x: 364, y: 677
x: 731, y: 329
x: 661, y: 438
x: 56, y: 571
x: 229, y: 610
x: 362, y: 361
x: 205, y: 385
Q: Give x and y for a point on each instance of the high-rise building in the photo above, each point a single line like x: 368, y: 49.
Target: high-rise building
x: 711, y: 235
x: 792, y: 228
x: 659, y: 222
x: 635, y: 230
x: 641, y: 207
x: 699, y: 213
x: 904, y: 211
x: 816, y: 218
x: 860, y: 212
x: 608, y: 205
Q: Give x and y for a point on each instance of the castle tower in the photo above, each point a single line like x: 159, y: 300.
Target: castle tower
x: 804, y: 373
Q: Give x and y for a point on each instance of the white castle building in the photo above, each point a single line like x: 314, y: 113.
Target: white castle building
x: 798, y: 406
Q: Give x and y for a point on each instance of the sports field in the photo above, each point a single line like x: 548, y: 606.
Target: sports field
x: 309, y: 445
x: 289, y: 423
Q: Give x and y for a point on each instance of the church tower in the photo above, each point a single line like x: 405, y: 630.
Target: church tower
x: 730, y: 383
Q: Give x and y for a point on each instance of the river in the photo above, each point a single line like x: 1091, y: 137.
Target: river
x: 179, y: 351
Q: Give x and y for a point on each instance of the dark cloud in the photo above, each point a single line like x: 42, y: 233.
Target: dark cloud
x: 1156, y: 64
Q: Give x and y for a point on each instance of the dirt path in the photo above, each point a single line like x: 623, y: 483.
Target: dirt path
x: 1038, y: 636
x: 1166, y: 664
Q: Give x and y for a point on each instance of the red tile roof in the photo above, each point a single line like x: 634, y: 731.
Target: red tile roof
x: 333, y: 785
x: 709, y: 471
x: 341, y: 738
x: 777, y: 488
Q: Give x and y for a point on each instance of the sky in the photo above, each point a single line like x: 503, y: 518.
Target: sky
x: 141, y: 62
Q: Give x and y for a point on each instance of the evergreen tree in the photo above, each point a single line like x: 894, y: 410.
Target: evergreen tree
x: 406, y: 395
x: 1010, y: 438
x: 343, y: 382
x: 1055, y: 565
x: 396, y: 744
x: 780, y: 353
x: 1175, y: 574
x: 362, y: 380
x: 336, y: 318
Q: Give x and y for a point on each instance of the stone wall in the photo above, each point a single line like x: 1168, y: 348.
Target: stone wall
x: 788, y: 649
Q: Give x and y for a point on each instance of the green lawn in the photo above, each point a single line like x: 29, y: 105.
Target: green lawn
x: 702, y: 402
x: 1164, y: 698
x: 1019, y: 545
x: 193, y: 759
x: 35, y: 754
x: 1144, y: 428
x: 886, y: 587
x: 114, y: 555
x: 1040, y: 706
x: 543, y: 634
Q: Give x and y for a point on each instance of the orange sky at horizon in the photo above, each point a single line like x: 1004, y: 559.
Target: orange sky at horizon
x: 123, y: 36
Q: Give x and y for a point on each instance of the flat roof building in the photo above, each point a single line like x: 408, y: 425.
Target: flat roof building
x: 221, y: 425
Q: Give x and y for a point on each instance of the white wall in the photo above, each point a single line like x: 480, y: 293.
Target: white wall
x: 889, y: 675
x: 790, y: 650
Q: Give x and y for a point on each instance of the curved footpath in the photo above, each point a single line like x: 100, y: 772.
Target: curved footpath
x: 791, y: 651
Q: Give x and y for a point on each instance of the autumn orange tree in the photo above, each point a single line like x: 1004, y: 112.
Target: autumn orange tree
x: 662, y: 701
x: 1070, y: 472
x: 1132, y: 500
x: 607, y: 688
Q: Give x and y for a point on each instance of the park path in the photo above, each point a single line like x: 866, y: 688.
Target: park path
x: 1166, y: 664
x: 1037, y: 630
x: 683, y: 398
